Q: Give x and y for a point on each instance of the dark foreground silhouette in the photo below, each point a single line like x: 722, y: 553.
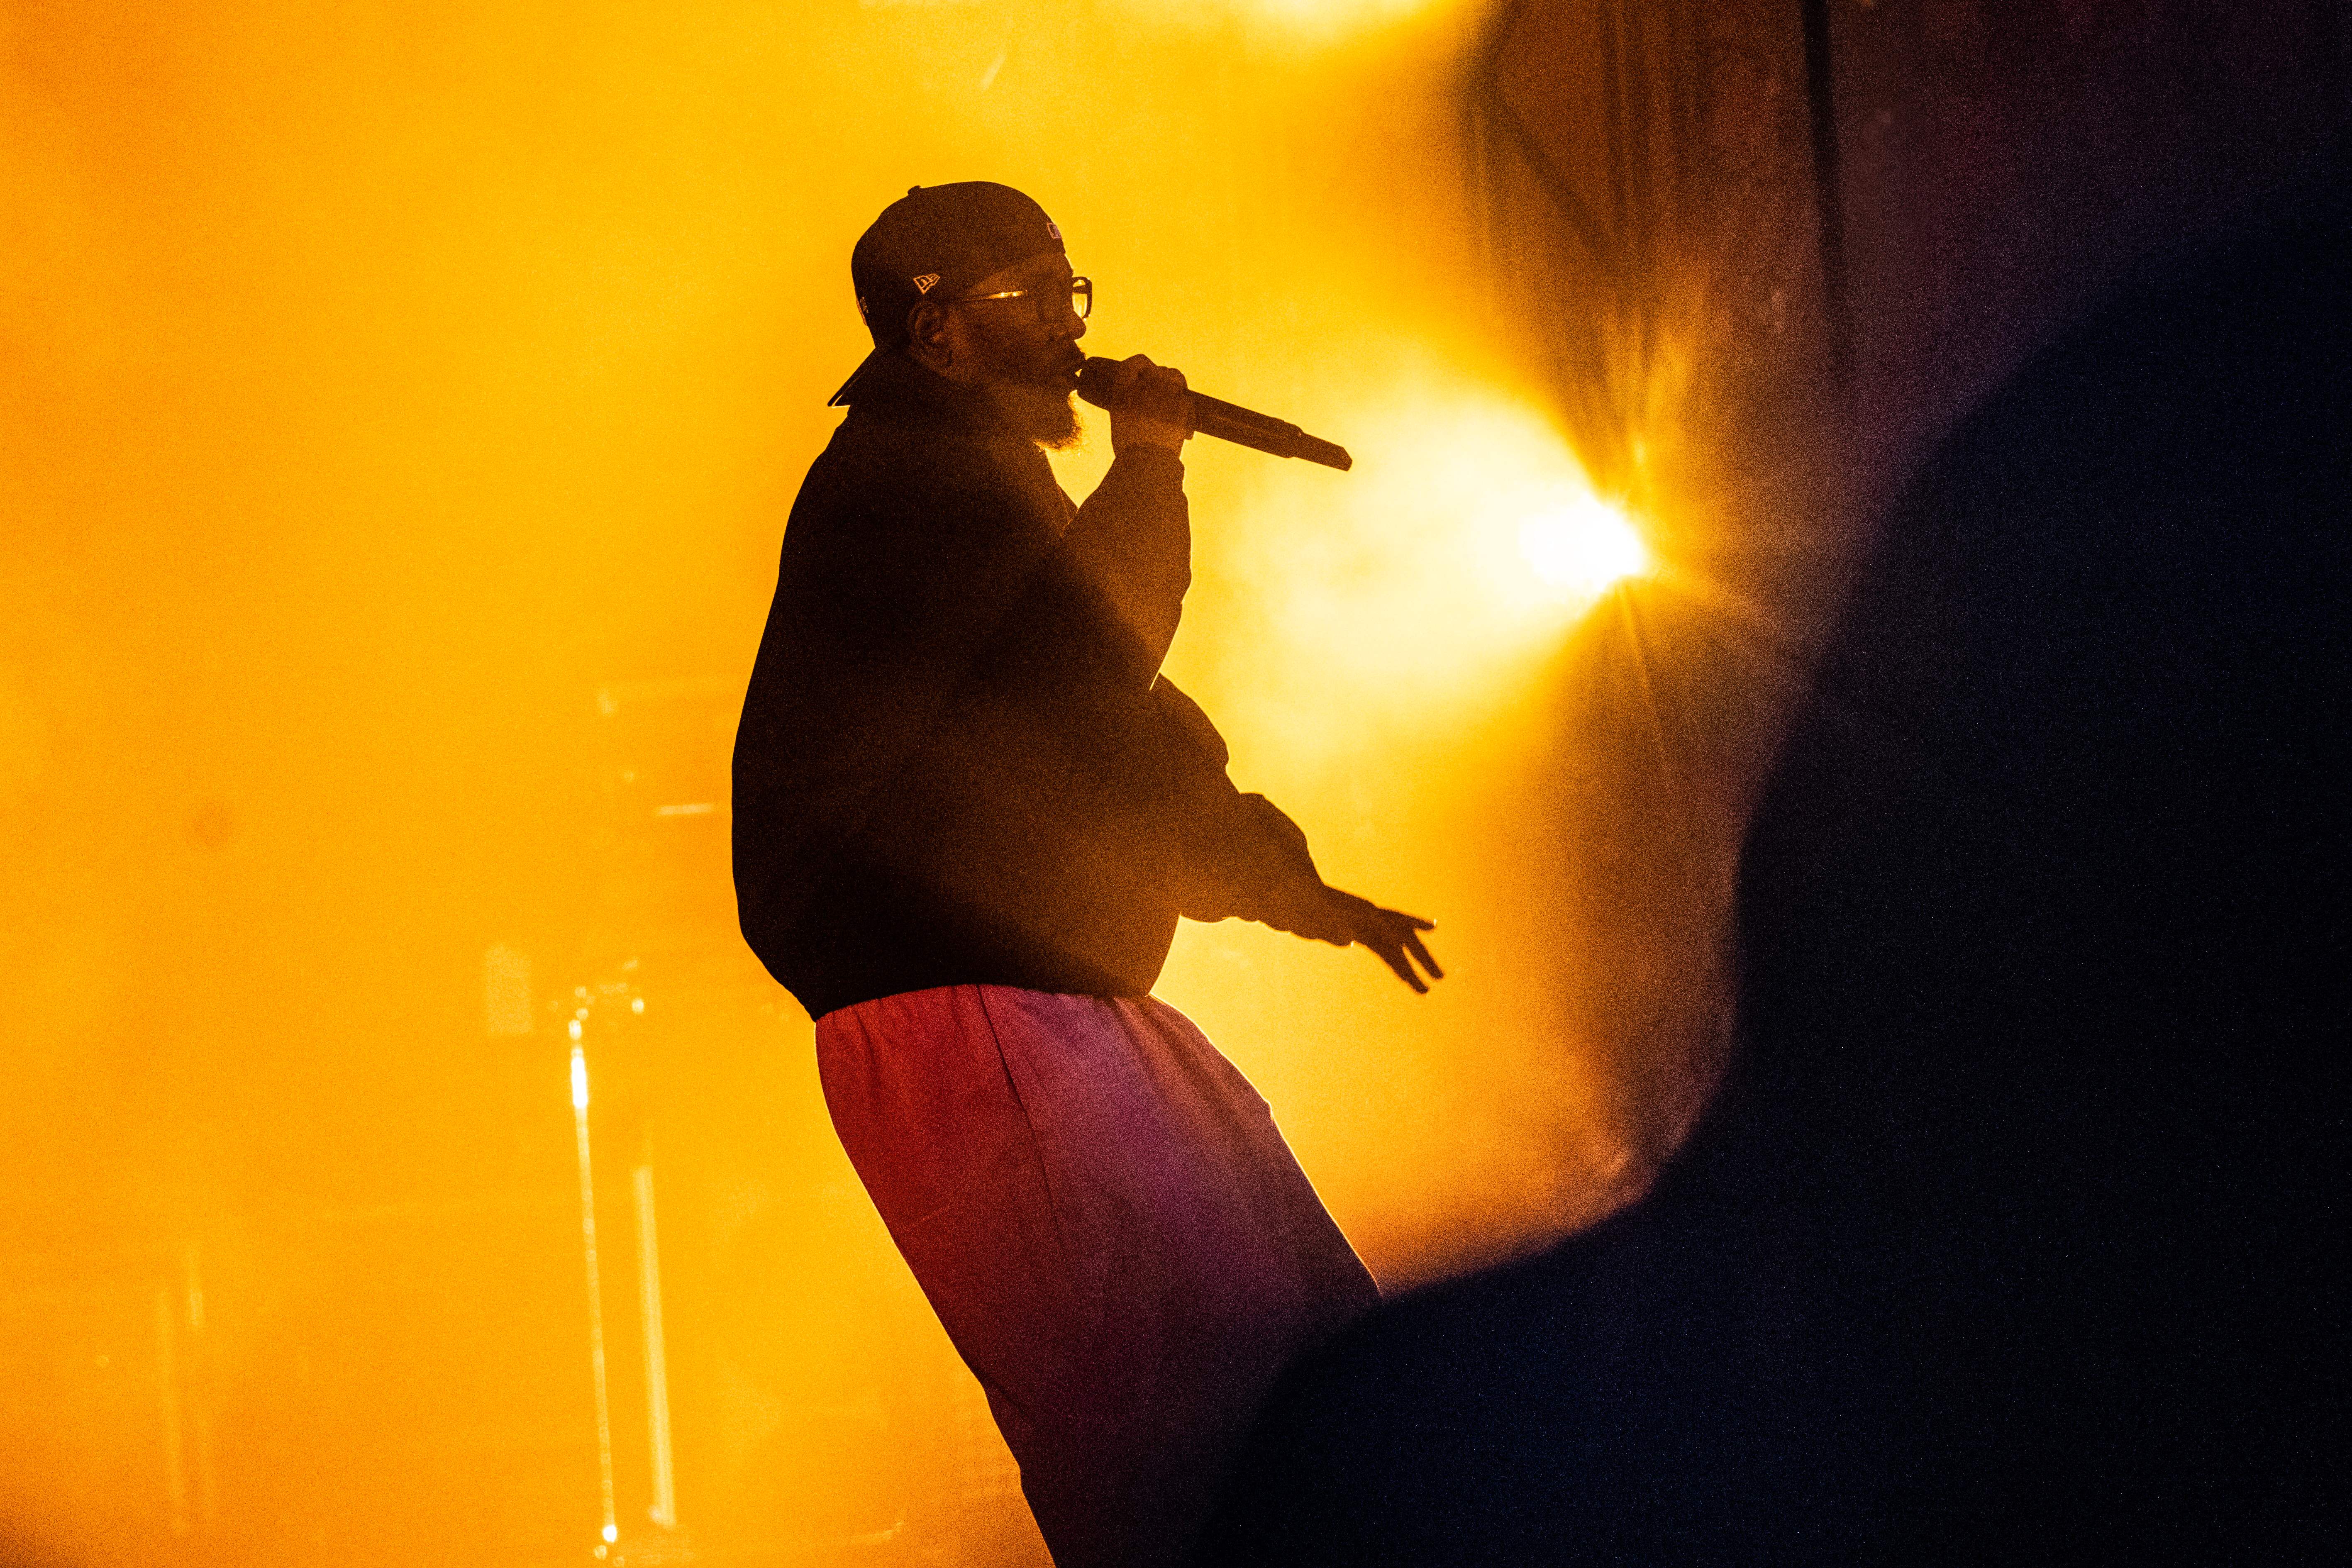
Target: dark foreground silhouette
x: 2010, y: 1234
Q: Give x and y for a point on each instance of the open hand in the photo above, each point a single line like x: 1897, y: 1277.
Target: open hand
x: 1394, y: 935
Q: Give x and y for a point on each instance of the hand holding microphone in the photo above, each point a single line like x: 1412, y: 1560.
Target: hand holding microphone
x: 1154, y: 406
x: 1148, y: 402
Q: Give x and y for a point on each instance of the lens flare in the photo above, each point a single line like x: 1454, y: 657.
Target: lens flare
x: 1312, y: 23
x: 1582, y: 549
x: 1434, y: 579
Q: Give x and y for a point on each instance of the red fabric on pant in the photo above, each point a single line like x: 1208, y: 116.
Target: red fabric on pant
x: 1116, y: 1239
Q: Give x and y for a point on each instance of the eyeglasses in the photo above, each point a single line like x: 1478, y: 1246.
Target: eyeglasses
x: 1081, y: 299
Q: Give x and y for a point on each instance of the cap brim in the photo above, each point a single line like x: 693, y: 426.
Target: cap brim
x: 842, y: 399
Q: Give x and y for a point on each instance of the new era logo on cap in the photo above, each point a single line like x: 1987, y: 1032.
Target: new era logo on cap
x: 927, y: 283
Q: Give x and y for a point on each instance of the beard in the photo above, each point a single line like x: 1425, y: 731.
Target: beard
x: 1030, y: 384
x: 1041, y: 414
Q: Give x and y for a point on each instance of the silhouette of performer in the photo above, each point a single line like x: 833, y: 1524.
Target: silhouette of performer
x: 967, y: 814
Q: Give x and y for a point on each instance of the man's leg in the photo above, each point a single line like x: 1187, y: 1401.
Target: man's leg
x: 1111, y: 1229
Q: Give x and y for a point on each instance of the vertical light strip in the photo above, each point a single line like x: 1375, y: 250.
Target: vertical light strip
x: 649, y: 1305
x: 167, y: 1385
x: 199, y: 1415
x: 595, y: 1289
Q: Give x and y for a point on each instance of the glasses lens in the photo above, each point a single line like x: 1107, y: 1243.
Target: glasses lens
x: 1082, y: 296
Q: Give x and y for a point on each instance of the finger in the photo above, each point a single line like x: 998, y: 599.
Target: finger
x: 1392, y: 954
x: 1413, y: 944
x: 1394, y: 958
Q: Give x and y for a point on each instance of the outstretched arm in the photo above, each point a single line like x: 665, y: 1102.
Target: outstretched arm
x: 1244, y: 858
x: 1265, y: 860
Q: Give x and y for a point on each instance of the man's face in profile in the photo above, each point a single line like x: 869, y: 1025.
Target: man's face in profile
x: 1024, y: 349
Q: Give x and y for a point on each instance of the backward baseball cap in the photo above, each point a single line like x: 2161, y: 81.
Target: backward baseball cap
x: 939, y: 240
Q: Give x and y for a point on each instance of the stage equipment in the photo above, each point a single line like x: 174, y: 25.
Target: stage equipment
x: 1227, y: 421
x: 607, y: 1014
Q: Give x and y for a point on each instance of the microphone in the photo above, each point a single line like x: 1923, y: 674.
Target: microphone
x: 1225, y: 421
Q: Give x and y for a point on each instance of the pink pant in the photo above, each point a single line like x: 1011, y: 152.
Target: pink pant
x: 1116, y: 1239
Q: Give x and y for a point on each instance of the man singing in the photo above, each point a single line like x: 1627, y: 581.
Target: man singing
x: 968, y: 813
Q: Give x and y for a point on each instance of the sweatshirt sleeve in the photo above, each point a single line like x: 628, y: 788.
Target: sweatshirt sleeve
x: 1132, y: 543
x: 1244, y: 858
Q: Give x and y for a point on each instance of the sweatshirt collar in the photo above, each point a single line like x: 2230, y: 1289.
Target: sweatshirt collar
x: 891, y: 386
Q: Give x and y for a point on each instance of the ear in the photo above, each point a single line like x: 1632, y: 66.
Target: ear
x: 929, y: 337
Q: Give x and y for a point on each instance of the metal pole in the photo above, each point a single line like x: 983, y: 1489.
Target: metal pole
x: 611, y: 1532
x: 649, y: 1307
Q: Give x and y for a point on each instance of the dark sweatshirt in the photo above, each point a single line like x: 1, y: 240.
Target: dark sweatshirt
x: 956, y: 762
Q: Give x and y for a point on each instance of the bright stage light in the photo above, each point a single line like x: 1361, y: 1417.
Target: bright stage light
x: 1335, y: 17
x: 1583, y: 548
x: 1312, y: 22
x: 1422, y: 587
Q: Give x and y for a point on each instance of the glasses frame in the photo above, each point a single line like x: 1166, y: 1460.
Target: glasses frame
x: 1079, y: 296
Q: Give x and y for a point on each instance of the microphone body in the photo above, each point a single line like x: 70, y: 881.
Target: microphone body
x: 1227, y: 421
